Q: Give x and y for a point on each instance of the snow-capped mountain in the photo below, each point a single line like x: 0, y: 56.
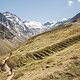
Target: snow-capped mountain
x: 37, y: 27
x: 17, y: 24
x: 28, y: 28
x: 14, y: 31
x: 13, y: 18
x: 34, y: 27
x: 33, y: 24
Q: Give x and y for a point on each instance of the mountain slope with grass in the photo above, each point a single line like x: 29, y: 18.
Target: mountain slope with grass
x: 51, y: 55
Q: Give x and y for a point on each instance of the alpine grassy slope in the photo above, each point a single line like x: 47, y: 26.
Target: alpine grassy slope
x: 52, y: 55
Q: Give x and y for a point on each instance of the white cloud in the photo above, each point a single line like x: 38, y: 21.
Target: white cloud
x: 70, y: 2
x: 78, y: 0
x: 64, y: 19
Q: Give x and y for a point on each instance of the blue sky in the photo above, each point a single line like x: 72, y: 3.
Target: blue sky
x: 41, y: 10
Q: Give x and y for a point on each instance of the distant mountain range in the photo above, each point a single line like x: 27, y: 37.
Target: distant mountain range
x: 22, y: 28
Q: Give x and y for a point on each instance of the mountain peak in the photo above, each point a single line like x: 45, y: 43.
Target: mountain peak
x: 48, y: 23
x: 11, y: 16
x: 33, y: 24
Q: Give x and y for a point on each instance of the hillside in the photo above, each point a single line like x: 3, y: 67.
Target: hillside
x: 52, y: 55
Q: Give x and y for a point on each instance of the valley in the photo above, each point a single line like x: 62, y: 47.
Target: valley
x: 50, y: 55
